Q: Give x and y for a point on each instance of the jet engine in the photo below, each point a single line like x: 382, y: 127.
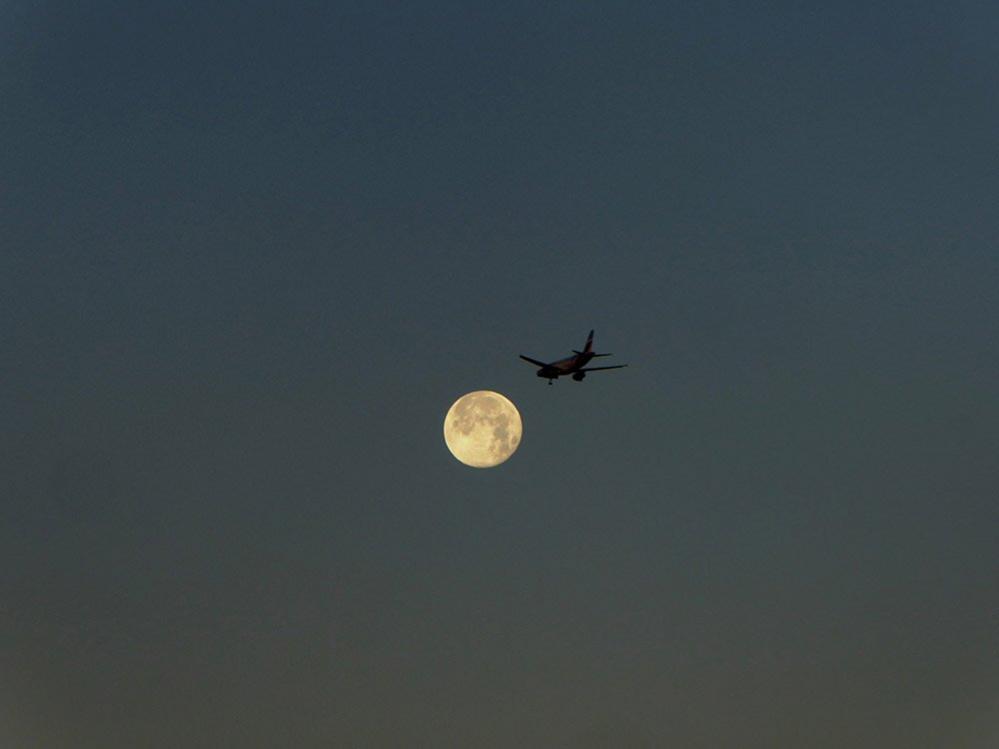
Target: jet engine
x: 578, y: 376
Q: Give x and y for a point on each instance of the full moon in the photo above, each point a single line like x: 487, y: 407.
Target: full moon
x: 482, y: 429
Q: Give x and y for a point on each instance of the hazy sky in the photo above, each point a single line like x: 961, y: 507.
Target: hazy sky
x: 250, y: 253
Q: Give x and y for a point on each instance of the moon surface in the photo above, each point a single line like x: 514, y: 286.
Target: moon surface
x: 482, y: 429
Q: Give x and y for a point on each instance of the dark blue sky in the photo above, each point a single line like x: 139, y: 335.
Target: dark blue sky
x: 250, y: 254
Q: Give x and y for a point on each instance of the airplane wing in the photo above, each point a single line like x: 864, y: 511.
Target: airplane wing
x: 594, y: 369
x: 535, y: 362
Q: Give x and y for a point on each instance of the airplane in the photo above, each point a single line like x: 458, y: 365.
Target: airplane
x: 573, y: 365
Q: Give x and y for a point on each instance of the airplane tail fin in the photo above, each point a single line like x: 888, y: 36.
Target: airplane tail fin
x: 588, y: 348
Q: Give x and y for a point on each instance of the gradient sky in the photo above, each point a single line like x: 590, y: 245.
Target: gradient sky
x: 251, y: 253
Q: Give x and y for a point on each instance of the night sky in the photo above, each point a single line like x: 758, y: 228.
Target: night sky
x: 251, y: 253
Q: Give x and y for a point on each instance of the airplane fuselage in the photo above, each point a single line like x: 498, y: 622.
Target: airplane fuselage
x: 565, y: 366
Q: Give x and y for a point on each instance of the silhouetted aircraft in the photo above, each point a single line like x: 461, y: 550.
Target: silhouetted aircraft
x: 574, y: 365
